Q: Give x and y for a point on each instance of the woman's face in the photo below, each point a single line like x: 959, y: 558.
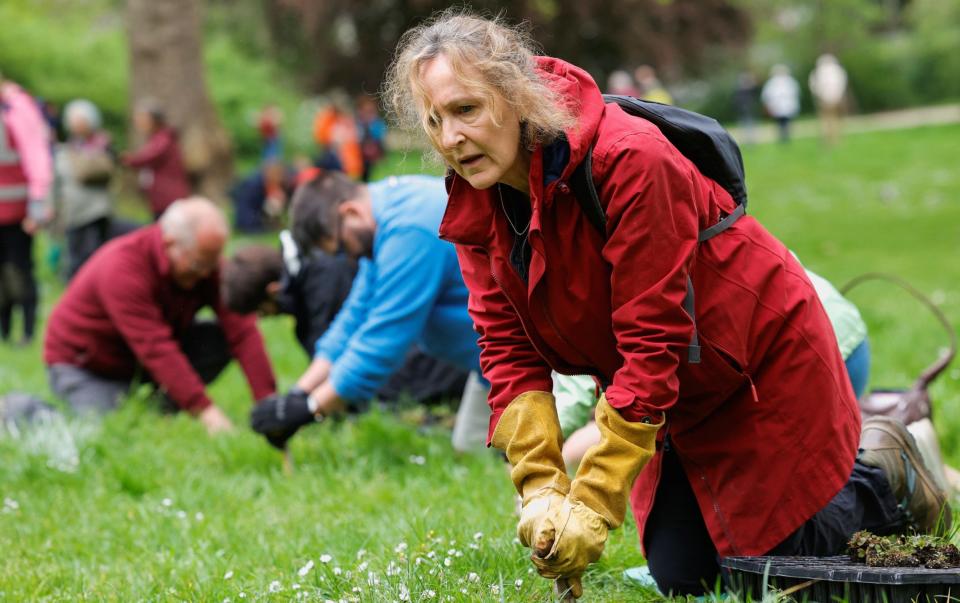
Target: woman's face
x: 471, y: 141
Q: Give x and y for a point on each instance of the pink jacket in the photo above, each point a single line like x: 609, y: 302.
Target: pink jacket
x: 27, y: 139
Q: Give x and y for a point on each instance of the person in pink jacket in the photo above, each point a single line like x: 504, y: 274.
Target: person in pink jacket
x: 26, y: 174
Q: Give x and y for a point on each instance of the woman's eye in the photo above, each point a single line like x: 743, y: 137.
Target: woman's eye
x: 466, y: 109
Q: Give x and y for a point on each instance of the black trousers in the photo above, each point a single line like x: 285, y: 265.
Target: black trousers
x: 684, y: 561
x: 82, y: 241
x: 18, y: 285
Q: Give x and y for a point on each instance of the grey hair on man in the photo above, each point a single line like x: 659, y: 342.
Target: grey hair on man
x: 184, y: 218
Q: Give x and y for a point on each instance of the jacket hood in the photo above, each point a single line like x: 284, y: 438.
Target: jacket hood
x: 468, y: 216
x: 577, y: 89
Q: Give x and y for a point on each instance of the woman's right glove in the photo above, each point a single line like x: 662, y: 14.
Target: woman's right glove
x: 573, y: 535
x: 529, y: 433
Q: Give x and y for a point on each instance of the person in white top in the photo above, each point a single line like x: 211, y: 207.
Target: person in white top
x: 828, y: 83
x: 781, y: 98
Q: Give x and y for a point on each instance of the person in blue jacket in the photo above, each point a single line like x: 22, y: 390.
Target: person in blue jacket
x: 408, y: 290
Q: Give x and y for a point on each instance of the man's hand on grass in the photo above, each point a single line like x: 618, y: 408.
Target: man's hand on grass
x: 215, y: 420
x: 279, y: 417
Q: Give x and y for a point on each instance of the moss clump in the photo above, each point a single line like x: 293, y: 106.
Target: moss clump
x: 931, y: 552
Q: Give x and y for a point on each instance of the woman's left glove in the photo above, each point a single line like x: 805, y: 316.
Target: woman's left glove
x: 573, y: 535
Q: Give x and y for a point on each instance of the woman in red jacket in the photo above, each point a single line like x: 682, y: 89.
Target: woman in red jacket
x: 751, y: 449
x: 162, y: 175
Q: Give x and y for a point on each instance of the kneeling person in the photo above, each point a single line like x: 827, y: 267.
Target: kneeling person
x: 129, y: 315
x: 408, y: 290
x: 311, y: 286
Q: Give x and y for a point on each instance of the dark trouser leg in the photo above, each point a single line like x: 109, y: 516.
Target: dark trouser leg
x: 83, y: 241
x: 19, y: 256
x: 205, y: 346
x: 865, y: 503
x: 680, y: 553
x: 8, y: 279
x: 682, y: 557
x: 424, y: 379
x: 206, y: 349
x: 85, y: 392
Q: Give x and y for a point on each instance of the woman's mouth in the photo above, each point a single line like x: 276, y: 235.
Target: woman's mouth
x: 470, y: 160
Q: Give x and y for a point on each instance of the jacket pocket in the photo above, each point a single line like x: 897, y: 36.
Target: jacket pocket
x: 705, y: 386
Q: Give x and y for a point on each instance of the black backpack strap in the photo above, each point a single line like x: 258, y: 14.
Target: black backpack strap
x: 693, y: 350
x: 586, y: 194
x: 722, y: 225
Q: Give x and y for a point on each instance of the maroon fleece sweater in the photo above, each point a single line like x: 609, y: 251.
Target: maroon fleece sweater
x: 123, y: 310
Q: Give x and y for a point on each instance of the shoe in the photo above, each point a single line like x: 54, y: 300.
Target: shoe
x: 886, y: 444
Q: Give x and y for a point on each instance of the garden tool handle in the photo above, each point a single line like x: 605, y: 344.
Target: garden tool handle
x: 563, y: 589
x: 937, y: 367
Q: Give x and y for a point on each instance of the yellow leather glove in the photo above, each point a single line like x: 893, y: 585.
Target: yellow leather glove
x: 573, y: 536
x: 529, y: 432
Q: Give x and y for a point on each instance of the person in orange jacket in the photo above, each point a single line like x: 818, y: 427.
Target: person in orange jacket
x: 336, y: 131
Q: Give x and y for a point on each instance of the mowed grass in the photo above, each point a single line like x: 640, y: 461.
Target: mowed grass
x: 146, y: 506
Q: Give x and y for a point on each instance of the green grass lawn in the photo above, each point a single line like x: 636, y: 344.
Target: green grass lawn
x: 148, y: 507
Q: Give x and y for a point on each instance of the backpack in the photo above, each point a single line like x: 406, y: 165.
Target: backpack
x: 700, y: 139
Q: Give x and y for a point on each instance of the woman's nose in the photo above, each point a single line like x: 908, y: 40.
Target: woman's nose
x: 450, y: 135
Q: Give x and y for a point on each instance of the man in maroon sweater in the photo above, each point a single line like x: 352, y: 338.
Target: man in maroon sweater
x: 128, y: 316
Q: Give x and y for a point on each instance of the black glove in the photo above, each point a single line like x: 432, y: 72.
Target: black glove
x: 279, y: 417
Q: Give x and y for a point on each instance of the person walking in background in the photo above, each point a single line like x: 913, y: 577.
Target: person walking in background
x: 373, y: 134
x: 161, y: 173
x: 745, y: 97
x: 129, y: 317
x: 83, y: 168
x: 781, y: 99
x: 26, y: 177
x: 828, y: 83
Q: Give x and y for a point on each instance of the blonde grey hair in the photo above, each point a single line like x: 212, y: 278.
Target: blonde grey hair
x: 490, y: 58
x: 183, y: 219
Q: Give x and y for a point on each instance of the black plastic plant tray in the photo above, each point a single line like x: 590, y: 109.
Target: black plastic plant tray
x: 831, y: 579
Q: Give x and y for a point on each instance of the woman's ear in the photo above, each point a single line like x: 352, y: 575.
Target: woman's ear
x: 273, y: 289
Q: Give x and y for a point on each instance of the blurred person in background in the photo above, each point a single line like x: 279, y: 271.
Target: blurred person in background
x: 26, y: 178
x: 650, y: 87
x: 621, y: 82
x: 260, y: 199
x: 745, y: 97
x: 269, y: 122
x: 129, y: 317
x: 373, y: 134
x: 335, y: 132
x: 828, y: 83
x: 311, y: 286
x: 408, y: 290
x: 781, y: 99
x: 83, y: 168
x: 161, y: 174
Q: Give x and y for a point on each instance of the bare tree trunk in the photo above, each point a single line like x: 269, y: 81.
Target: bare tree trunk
x: 166, y: 64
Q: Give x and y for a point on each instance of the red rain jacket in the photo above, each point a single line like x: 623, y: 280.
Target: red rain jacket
x: 163, y: 178
x: 766, y: 425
